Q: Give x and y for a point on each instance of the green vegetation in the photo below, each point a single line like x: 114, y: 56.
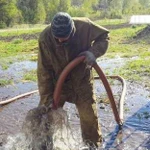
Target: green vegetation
x: 17, y: 32
x: 123, y: 44
x: 108, y: 22
x: 30, y: 76
x: 138, y: 70
x: 17, y: 46
x: 5, y: 63
x: 5, y: 82
x: 17, y: 50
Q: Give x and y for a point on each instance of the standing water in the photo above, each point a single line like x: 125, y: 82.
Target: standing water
x: 135, y: 134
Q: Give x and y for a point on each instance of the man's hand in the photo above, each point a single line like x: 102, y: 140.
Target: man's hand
x: 49, y: 104
x: 52, y: 106
x: 90, y: 59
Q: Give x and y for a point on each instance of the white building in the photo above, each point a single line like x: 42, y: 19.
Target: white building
x: 140, y: 19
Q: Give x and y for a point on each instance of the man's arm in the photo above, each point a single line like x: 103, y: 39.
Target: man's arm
x: 99, y: 36
x: 45, y: 75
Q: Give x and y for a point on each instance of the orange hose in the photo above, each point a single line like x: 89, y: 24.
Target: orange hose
x: 65, y: 72
x: 60, y: 81
x: 109, y: 92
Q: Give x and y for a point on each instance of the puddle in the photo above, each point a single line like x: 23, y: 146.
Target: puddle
x: 135, y: 134
x: 16, y: 70
x: 112, y: 64
x: 16, y: 89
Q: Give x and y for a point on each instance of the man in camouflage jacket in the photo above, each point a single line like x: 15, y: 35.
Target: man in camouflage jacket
x: 63, y: 40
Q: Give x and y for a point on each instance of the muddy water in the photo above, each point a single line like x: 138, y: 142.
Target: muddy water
x: 135, y: 134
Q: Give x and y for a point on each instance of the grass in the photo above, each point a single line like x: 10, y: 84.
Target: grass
x: 30, y: 76
x: 16, y: 47
x: 105, y: 22
x: 18, y: 31
x: 5, y: 82
x: 138, y: 70
x: 123, y: 44
x: 5, y: 62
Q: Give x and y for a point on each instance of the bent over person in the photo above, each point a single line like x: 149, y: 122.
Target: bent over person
x: 62, y: 41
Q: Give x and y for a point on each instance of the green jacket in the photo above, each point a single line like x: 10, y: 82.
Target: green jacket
x: 54, y: 56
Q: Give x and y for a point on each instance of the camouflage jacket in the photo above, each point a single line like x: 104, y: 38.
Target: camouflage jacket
x: 54, y: 56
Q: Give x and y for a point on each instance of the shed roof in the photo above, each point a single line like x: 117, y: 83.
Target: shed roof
x: 140, y: 19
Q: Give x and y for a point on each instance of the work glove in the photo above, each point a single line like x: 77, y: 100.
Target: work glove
x: 90, y: 59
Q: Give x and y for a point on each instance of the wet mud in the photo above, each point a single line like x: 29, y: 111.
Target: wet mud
x: 135, y: 133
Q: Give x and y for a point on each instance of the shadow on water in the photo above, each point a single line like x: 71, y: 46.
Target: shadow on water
x: 138, y: 123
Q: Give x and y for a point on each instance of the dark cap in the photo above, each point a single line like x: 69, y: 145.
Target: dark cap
x: 62, y: 25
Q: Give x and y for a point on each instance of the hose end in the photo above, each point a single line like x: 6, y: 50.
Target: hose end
x: 121, y: 125
x: 54, y: 106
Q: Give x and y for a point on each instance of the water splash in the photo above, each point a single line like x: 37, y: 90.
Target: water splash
x: 17, y: 142
x: 45, y: 131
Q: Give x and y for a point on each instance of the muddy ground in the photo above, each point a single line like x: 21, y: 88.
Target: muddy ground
x: 135, y: 134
